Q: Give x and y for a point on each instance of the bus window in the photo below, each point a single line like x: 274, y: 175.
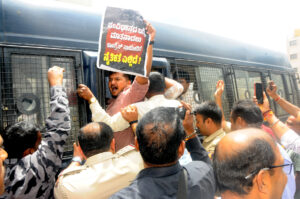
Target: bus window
x: 289, y: 89
x: 207, y: 78
x: 295, y: 88
x: 245, y: 83
x: 280, y: 90
x: 26, y: 94
x: 181, y: 73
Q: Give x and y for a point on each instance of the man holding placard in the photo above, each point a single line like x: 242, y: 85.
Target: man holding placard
x: 123, y: 92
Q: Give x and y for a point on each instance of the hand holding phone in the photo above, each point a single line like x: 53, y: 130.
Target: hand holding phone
x: 258, y: 92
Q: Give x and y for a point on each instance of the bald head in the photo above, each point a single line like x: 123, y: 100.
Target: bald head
x: 95, y: 138
x: 240, y: 153
x: 92, y: 128
x: 240, y: 140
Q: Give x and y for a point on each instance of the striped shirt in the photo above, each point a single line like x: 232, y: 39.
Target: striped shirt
x: 33, y: 176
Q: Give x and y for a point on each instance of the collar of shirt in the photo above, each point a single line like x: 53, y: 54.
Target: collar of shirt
x: 99, y: 158
x: 214, y: 135
x: 155, y: 98
x: 156, y: 172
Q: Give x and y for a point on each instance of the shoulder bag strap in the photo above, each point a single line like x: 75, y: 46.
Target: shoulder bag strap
x: 182, y: 185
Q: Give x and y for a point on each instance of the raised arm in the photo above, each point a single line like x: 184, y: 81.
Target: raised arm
x: 173, y: 88
x: 218, y: 99
x: 193, y: 144
x: 284, y: 104
x: 289, y: 139
x: 58, y: 125
x: 152, y: 32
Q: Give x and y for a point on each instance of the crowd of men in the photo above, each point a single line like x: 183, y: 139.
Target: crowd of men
x: 133, y: 148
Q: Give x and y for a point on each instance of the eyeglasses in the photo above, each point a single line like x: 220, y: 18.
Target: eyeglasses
x: 287, y: 168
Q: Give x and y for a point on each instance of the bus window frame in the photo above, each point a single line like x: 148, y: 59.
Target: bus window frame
x: 8, y: 51
x: 221, y: 66
x: 281, y: 73
x: 243, y: 68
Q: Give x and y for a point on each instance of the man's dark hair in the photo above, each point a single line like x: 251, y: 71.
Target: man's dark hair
x: 19, y: 137
x: 159, y: 134
x: 95, y: 140
x: 129, y: 77
x: 157, y: 83
x: 182, y: 75
x: 230, y: 170
x: 248, y: 111
x: 209, y: 109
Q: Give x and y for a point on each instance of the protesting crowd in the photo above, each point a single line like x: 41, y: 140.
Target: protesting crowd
x: 136, y: 146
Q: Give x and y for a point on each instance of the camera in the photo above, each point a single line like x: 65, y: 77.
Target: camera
x: 181, y: 112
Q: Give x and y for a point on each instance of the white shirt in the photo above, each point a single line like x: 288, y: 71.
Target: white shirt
x: 188, y: 97
x: 291, y: 140
x: 101, y: 176
x: 118, y: 123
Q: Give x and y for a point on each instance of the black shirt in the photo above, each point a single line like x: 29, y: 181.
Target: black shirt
x: 162, y: 182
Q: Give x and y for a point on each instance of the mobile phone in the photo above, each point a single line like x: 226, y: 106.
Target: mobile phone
x: 258, y: 91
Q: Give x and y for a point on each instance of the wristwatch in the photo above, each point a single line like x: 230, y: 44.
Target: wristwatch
x: 92, y: 100
x: 77, y: 159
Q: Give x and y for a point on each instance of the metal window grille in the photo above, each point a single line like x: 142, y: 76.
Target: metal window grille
x: 277, y: 78
x: 292, y: 97
x: 187, y: 73
x: 208, y: 75
x: 245, y: 83
x: 25, y: 92
x: 203, y: 80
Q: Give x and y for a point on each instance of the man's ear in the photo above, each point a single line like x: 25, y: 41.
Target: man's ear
x: 262, y: 181
x: 38, y: 140
x: 136, y: 144
x: 79, y: 149
x: 113, y: 145
x: 181, y: 149
x: 241, y: 122
x: 28, y: 151
x: 128, y: 82
x: 208, y: 121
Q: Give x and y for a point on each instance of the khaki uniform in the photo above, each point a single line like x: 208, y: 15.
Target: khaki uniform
x: 101, y: 175
x: 210, y: 142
